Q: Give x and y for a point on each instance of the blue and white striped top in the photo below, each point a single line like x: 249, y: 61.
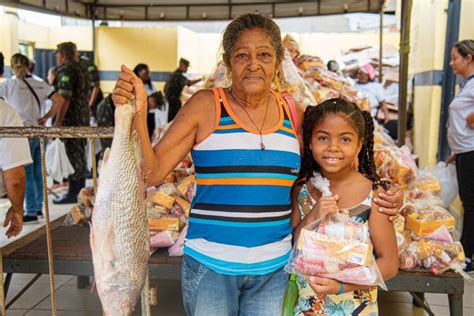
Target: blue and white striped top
x: 240, y: 217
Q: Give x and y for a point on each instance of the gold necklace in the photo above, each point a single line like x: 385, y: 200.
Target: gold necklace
x: 262, y: 145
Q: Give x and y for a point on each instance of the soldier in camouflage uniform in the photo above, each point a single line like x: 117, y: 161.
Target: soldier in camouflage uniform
x: 72, y: 84
x: 94, y: 81
x: 174, y: 86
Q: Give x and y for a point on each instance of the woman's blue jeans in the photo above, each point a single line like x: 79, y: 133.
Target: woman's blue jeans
x: 34, y: 180
x: 207, y: 293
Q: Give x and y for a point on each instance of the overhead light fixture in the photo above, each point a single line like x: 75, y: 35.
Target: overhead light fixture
x: 204, y: 15
x: 300, y: 10
x: 162, y: 15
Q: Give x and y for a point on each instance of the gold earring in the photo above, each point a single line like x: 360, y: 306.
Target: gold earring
x: 355, y: 163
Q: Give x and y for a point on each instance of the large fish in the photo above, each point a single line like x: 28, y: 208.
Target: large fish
x: 119, y: 231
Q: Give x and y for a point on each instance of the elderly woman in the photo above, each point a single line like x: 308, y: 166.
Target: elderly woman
x: 246, y: 156
x: 372, y: 90
x: 461, y: 138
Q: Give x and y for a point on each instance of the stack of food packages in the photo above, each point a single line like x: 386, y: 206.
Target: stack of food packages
x: 168, y: 207
x: 309, y: 82
x: 426, y: 235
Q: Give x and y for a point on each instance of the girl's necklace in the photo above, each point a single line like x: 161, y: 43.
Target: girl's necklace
x: 262, y: 145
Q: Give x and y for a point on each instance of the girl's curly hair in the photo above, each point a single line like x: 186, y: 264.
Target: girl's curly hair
x: 361, y: 121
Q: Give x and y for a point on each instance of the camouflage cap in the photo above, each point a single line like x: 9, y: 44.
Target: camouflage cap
x: 184, y: 62
x: 66, y: 47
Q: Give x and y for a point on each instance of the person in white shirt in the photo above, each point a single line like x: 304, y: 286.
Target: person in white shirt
x: 371, y: 89
x: 461, y: 138
x: 15, y: 155
x: 143, y: 72
x: 27, y: 96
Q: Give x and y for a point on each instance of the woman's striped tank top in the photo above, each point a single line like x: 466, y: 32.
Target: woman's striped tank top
x: 239, y: 222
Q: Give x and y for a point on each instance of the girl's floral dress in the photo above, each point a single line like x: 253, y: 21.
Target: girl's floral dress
x: 360, y: 302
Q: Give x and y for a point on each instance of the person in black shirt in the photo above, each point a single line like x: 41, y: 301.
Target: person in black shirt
x: 174, y: 85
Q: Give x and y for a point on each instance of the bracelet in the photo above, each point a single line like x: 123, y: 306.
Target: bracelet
x: 341, y: 288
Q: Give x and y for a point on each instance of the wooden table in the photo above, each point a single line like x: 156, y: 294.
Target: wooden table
x: 72, y: 256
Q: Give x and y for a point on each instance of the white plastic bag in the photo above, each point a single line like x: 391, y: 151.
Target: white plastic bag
x: 448, y: 180
x: 58, y: 165
x: 98, y: 148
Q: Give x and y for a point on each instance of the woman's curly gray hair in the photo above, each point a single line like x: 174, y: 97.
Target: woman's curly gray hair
x: 248, y: 22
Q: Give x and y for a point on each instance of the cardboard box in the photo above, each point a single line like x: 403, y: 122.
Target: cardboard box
x: 163, y: 199
x: 184, y: 204
x: 424, y: 228
x: 183, y: 186
x: 164, y: 223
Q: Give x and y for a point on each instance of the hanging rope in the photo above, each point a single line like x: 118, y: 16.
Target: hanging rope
x: 2, y: 289
x: 48, y: 230
x: 62, y: 132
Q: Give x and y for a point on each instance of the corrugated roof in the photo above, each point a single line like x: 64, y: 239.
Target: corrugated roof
x: 162, y: 10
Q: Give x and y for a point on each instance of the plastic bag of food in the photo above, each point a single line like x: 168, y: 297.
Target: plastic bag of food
x: 408, y: 259
x: 218, y: 77
x: 294, y: 84
x: 177, y: 249
x: 337, y: 248
x: 446, y: 175
x: 396, y: 164
x: 161, y: 239
x: 439, y: 256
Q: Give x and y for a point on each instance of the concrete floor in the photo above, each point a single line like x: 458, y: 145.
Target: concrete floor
x: 78, y: 302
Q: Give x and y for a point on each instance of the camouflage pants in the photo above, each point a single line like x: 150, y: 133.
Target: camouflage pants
x: 76, y: 152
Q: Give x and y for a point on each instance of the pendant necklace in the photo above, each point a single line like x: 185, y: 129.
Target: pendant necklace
x: 262, y: 145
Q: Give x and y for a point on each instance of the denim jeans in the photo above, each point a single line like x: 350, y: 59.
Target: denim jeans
x: 34, y: 180
x: 465, y: 173
x: 207, y: 293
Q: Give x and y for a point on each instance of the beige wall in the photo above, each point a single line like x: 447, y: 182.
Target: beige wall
x: 9, y: 41
x: 428, y: 35
x: 466, y: 30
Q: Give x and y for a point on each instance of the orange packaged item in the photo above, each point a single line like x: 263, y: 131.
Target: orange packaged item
x: 164, y: 223
x: 427, y: 221
x: 183, y: 186
x: 184, y: 204
x: 163, y: 199
x: 399, y: 223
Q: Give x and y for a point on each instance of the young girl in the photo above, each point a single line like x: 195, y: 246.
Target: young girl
x: 338, y: 143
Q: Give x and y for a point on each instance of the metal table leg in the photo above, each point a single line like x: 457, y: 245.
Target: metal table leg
x: 23, y: 290
x: 455, y: 304
x: 8, y: 280
x: 82, y: 281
